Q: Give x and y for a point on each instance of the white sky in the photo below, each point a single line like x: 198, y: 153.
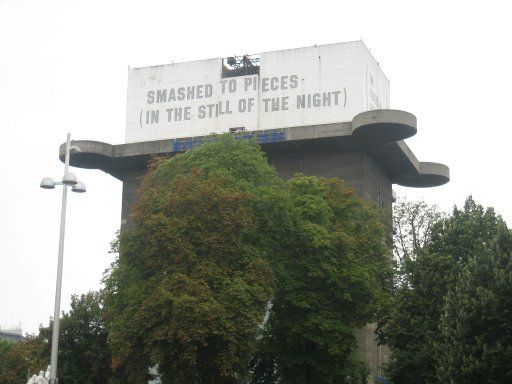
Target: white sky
x: 63, y: 67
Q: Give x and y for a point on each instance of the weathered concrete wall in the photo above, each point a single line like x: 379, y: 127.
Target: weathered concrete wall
x: 131, y: 184
x: 357, y: 169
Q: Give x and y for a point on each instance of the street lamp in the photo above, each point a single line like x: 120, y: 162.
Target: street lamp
x: 68, y: 180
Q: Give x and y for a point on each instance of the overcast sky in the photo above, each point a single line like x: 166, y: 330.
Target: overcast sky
x: 63, y: 68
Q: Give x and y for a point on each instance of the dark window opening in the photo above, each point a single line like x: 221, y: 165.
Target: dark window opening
x: 241, y: 66
x: 236, y: 129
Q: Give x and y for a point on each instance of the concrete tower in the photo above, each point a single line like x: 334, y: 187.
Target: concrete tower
x: 320, y: 110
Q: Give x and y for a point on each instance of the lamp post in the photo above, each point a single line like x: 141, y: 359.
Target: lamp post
x: 69, y: 179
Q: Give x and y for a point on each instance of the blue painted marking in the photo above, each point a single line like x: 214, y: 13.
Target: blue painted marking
x: 261, y: 138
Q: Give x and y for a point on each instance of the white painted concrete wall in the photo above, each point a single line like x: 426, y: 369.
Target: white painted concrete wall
x: 295, y: 87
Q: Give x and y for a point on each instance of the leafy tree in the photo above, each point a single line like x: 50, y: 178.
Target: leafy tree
x: 12, y: 365
x: 229, y: 275
x: 331, y: 281
x: 412, y: 227
x: 476, y: 325
x: 84, y: 354
x: 17, y: 359
x: 412, y: 330
x: 193, y: 280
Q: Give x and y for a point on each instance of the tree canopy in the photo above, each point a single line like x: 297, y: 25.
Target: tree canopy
x: 230, y: 275
x: 17, y: 359
x: 413, y: 222
x: 331, y: 281
x: 422, y: 301
x: 476, y: 323
x: 84, y: 355
x: 193, y: 281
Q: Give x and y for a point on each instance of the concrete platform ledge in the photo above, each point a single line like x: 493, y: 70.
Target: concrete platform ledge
x: 384, y: 125
x: 91, y: 154
x: 428, y: 175
x: 378, y: 133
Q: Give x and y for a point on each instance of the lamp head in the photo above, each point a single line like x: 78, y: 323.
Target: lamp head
x: 47, y: 183
x: 79, y: 187
x: 69, y: 179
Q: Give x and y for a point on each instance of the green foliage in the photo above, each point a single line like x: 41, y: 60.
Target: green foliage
x: 84, y: 355
x: 412, y: 330
x: 12, y: 364
x: 17, y: 359
x: 229, y: 275
x: 476, y: 324
x: 330, y: 281
x: 193, y: 281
